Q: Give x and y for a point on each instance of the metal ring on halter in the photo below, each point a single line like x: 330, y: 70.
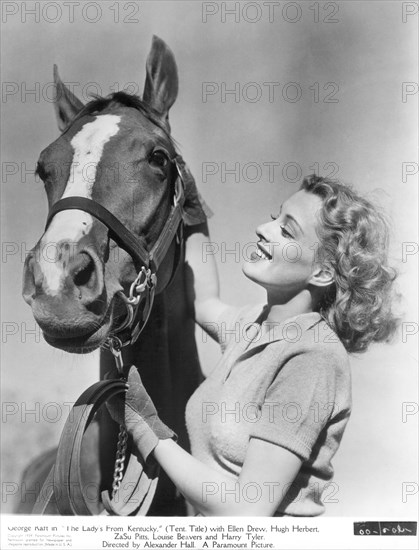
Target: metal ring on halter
x: 145, y: 280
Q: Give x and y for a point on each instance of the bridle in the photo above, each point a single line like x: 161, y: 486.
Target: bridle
x: 64, y: 481
x: 139, y: 302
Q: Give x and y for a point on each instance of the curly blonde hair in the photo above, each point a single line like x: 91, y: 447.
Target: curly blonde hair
x: 354, y: 239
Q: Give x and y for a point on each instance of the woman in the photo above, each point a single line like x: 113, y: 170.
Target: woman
x: 267, y: 421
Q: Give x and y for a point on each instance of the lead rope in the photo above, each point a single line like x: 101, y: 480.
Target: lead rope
x: 115, y: 347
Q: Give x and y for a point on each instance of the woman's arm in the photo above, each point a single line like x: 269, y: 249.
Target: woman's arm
x: 267, y: 471
x: 202, y: 276
x: 265, y: 477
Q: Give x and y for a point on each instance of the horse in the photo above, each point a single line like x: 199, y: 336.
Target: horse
x: 117, y: 152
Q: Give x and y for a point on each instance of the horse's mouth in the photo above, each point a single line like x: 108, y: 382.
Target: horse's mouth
x: 88, y: 341
x: 80, y: 344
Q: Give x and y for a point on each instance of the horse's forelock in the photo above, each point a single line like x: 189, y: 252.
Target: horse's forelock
x: 99, y: 104
x: 195, y: 209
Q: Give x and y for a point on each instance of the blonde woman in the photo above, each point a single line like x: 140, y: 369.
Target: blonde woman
x: 267, y: 421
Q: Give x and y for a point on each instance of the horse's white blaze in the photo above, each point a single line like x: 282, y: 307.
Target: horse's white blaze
x: 72, y: 225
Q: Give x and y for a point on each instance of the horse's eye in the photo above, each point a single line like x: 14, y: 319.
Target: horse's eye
x: 159, y: 158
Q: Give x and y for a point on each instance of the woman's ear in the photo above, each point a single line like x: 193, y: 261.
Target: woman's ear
x: 322, y: 276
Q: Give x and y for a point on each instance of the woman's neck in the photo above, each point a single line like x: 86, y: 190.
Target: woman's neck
x: 301, y: 303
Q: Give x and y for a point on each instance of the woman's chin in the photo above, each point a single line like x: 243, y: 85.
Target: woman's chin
x: 251, y: 271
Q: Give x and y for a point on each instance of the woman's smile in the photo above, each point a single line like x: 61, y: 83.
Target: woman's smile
x: 262, y: 252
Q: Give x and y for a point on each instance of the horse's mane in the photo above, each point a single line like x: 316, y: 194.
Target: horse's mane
x: 100, y: 103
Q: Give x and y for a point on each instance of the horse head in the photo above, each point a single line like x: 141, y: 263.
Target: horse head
x: 118, y: 152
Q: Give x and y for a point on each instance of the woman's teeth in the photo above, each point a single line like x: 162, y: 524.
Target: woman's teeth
x: 262, y: 254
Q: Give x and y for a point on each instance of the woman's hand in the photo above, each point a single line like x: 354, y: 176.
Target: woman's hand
x: 139, y: 416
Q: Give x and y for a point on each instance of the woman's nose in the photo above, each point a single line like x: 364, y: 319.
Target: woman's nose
x: 263, y: 232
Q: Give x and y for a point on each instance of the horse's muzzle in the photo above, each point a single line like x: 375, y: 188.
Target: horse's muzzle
x: 68, y: 295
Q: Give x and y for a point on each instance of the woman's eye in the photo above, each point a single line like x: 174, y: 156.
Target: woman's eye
x: 159, y: 159
x: 286, y: 233
x: 274, y: 216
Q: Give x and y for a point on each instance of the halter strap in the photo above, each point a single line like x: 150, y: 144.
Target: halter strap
x: 118, y: 232
x: 123, y: 237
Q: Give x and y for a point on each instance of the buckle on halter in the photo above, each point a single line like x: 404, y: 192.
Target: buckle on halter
x: 145, y: 280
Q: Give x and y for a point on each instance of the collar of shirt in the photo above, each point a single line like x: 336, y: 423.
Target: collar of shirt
x: 254, y: 339
x: 289, y: 329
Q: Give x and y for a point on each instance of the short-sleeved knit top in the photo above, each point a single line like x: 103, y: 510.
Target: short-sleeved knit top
x: 289, y: 385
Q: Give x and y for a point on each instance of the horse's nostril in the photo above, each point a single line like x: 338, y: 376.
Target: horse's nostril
x: 84, y: 273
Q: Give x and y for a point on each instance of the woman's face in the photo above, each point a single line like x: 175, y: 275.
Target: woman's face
x: 284, y: 263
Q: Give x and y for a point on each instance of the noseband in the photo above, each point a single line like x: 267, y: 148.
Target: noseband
x: 141, y: 295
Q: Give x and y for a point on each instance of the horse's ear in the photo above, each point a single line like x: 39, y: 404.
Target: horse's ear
x: 161, y: 84
x: 66, y: 103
